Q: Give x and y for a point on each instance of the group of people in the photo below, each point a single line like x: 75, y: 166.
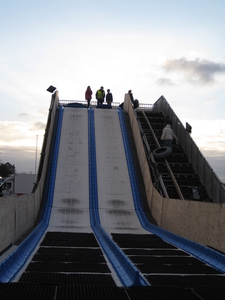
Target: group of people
x: 167, y: 134
x: 100, y: 96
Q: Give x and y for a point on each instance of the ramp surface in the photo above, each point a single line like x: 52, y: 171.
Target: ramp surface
x: 70, y: 210
x: 69, y: 262
x: 115, y: 199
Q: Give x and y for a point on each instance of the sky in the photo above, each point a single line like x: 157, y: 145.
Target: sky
x: 170, y: 48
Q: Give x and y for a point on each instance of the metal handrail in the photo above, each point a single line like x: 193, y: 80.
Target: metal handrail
x: 145, y: 106
x: 93, y: 102
x: 166, y: 162
x: 152, y: 163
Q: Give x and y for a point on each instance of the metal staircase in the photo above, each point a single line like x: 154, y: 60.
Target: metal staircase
x: 178, y: 175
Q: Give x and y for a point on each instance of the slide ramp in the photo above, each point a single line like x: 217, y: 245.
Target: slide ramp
x: 115, y: 199
x: 70, y: 208
x: 66, y: 262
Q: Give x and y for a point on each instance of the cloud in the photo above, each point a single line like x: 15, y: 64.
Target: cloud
x: 211, y: 100
x: 23, y: 115
x: 43, y: 112
x: 39, y: 126
x: 209, y: 135
x: 195, y: 71
x: 17, y: 134
x: 164, y: 82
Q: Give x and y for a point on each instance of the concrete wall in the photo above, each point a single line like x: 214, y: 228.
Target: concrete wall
x: 18, y: 214
x: 201, y: 222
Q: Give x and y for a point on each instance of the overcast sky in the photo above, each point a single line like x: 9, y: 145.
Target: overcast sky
x: 171, y: 48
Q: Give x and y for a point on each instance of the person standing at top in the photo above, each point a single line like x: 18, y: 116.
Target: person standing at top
x: 88, y: 95
x: 131, y: 96
x: 100, y: 95
x: 109, y: 97
x: 168, y: 136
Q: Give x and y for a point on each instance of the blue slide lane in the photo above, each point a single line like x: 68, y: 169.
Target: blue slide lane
x: 207, y: 255
x: 11, y: 266
x: 124, y: 268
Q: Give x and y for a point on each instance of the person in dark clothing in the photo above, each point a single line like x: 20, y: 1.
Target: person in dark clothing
x: 131, y: 96
x: 109, y: 97
x: 100, y: 95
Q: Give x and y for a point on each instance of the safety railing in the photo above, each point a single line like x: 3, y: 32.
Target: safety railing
x: 157, y: 177
x: 92, y: 104
x: 145, y: 106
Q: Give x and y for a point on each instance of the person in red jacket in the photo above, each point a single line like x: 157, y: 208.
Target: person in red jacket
x: 88, y: 95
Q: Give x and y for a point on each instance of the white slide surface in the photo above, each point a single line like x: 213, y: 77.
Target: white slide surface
x: 70, y: 211
x: 115, y: 200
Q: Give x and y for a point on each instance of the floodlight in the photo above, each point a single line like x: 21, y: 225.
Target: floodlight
x: 51, y: 89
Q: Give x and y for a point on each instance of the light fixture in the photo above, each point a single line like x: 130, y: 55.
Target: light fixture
x: 51, y: 89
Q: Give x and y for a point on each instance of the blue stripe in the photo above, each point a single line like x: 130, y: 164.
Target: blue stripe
x: 125, y: 270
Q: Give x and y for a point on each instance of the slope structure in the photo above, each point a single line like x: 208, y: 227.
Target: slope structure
x: 69, y: 252
x: 70, y: 208
x: 115, y: 199
x: 97, y: 232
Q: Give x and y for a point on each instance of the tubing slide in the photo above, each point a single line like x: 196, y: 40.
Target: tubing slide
x: 127, y: 273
